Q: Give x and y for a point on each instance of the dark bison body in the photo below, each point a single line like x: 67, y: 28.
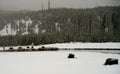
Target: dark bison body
x: 71, y: 55
x: 111, y: 61
x: 20, y: 49
x: 27, y: 49
x: 11, y: 49
x: 33, y: 49
x: 47, y: 49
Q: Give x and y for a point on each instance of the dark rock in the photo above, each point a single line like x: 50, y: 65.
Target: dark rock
x: 111, y: 61
x: 71, y: 55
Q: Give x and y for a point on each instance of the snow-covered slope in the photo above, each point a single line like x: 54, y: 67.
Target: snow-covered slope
x: 85, y: 45
x: 7, y: 30
x: 56, y: 62
x: 26, y: 26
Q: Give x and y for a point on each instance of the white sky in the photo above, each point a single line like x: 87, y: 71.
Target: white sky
x: 36, y: 4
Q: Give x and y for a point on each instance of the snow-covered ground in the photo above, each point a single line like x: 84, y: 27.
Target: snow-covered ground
x: 56, y: 62
x: 85, y: 45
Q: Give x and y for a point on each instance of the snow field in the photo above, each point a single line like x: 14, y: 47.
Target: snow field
x: 56, y: 62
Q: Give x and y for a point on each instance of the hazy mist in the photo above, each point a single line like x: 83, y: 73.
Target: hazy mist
x: 36, y: 4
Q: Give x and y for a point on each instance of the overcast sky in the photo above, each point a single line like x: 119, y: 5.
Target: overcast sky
x: 36, y: 4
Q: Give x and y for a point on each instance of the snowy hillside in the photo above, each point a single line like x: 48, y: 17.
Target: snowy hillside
x: 21, y: 26
x: 60, y: 25
x: 56, y: 62
x: 25, y: 26
x: 7, y: 30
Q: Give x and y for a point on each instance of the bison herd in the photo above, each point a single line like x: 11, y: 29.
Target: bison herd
x: 20, y: 49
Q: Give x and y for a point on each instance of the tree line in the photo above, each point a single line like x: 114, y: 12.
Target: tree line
x: 100, y: 24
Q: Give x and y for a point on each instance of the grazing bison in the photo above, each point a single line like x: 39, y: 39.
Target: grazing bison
x: 42, y: 48
x: 20, y: 49
x: 111, y: 61
x: 11, y: 49
x: 28, y: 47
x: 33, y: 49
x: 71, y: 56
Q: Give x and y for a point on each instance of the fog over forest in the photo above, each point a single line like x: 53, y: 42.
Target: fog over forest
x: 37, y: 4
